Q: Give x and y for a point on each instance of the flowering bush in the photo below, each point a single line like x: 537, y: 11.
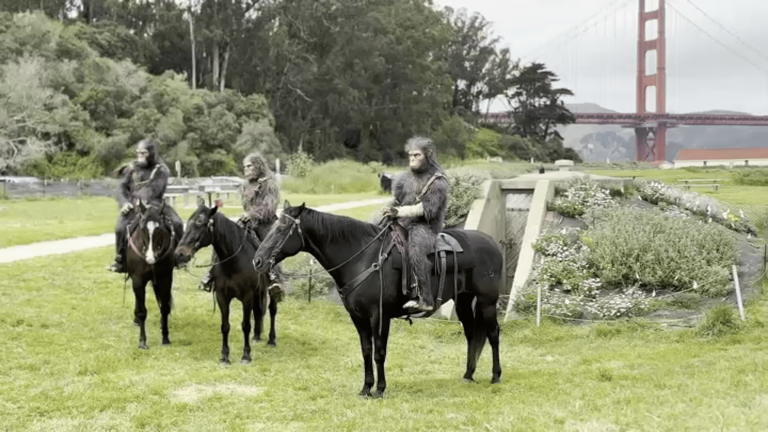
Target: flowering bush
x: 579, y: 196
x: 656, y: 192
x: 603, y: 271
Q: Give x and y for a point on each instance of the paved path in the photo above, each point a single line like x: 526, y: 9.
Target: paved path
x: 54, y: 247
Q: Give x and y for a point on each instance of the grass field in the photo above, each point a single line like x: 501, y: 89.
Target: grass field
x: 71, y: 363
x: 729, y: 193
x: 29, y: 221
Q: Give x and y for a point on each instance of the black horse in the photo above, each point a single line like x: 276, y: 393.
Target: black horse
x: 150, y: 258
x: 233, y: 276
x: 364, y: 262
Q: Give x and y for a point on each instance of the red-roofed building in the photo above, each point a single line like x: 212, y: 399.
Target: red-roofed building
x: 745, y: 156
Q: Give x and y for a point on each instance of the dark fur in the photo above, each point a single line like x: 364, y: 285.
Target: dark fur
x: 233, y: 277
x: 160, y: 273
x: 423, y: 230
x: 334, y: 239
x: 260, y: 196
x: 136, y: 185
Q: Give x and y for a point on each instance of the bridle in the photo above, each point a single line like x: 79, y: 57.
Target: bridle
x: 212, y: 233
x: 165, y: 225
x: 296, y: 226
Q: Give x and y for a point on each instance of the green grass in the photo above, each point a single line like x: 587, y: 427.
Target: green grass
x: 29, y: 221
x: 728, y: 193
x: 71, y: 363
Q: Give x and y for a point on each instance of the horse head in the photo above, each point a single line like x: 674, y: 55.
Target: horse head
x: 285, y: 239
x: 199, y: 232
x: 157, y: 235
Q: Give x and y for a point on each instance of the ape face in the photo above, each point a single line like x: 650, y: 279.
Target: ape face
x: 142, y: 155
x: 416, y: 159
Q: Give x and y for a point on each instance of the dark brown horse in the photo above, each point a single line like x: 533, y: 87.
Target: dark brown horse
x: 152, y: 239
x: 233, y: 276
x: 362, y: 260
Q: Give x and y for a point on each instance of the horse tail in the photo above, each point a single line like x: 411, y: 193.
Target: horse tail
x: 480, y: 334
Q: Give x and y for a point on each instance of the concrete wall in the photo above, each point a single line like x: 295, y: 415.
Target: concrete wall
x: 543, y: 193
x: 721, y: 162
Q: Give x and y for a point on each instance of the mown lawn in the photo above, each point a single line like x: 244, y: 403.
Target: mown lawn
x: 29, y: 221
x: 728, y: 193
x: 71, y: 363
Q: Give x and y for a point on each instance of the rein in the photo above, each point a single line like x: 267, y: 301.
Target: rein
x: 297, y: 225
x: 213, y: 239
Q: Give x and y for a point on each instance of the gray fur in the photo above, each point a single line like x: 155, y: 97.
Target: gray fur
x: 422, y: 230
x: 260, y: 192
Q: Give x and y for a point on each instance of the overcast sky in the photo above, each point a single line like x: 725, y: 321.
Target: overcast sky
x: 597, y: 58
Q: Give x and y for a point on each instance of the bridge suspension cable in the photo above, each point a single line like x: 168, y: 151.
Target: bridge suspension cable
x: 741, y: 41
x: 576, y: 30
x: 683, y: 16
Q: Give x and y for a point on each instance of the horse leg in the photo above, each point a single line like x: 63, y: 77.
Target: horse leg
x: 247, y: 308
x: 164, y: 297
x: 486, y: 311
x: 380, y: 354
x: 258, y: 316
x: 464, y: 313
x: 272, y: 313
x: 224, y: 308
x: 364, y: 331
x: 140, y: 309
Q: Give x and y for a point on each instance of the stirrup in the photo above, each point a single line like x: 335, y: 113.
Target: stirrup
x: 276, y: 292
x: 206, y: 284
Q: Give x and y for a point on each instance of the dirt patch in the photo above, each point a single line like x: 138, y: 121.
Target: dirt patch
x: 195, y: 392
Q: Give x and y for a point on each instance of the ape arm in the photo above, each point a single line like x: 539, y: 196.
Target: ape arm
x: 263, y: 205
x: 124, y: 189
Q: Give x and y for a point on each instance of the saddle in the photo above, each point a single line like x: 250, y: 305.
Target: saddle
x: 447, y: 241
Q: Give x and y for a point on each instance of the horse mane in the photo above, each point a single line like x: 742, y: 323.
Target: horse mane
x: 338, y: 227
x: 232, y: 231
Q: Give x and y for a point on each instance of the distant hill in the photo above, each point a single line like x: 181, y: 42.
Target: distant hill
x: 596, y: 143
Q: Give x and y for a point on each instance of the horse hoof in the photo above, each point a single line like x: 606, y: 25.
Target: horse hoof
x: 143, y: 346
x: 245, y: 361
x: 272, y: 344
x: 495, y: 380
x: 378, y: 394
x: 166, y: 342
x: 470, y: 381
x: 224, y: 362
x: 365, y: 393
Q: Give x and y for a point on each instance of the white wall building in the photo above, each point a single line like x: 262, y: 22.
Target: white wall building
x: 728, y: 157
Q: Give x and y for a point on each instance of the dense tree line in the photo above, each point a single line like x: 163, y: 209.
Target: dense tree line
x: 212, y: 79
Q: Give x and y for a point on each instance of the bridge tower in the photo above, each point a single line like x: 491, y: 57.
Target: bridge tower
x: 651, y: 139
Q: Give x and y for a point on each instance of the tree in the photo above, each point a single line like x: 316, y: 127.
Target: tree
x: 537, y: 107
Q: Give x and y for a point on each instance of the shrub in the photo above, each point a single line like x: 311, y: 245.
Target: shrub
x: 336, y: 176
x: 299, y: 164
x: 656, y: 192
x: 750, y: 177
x: 465, y: 189
x: 580, y: 195
x: 630, y: 246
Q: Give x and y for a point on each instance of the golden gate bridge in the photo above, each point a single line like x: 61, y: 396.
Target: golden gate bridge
x: 651, y: 126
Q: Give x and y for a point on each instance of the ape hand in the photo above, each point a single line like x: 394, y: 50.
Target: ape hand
x: 390, y: 212
x: 126, y: 208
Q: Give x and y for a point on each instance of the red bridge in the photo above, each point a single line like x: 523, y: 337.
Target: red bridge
x: 651, y: 127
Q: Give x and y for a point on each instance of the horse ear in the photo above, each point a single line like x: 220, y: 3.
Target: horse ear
x: 302, y: 207
x: 200, y: 201
x: 286, y: 205
x: 212, y: 211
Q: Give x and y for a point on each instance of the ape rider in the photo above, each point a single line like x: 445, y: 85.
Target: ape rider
x: 420, y: 199
x: 144, y: 179
x: 260, y: 196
